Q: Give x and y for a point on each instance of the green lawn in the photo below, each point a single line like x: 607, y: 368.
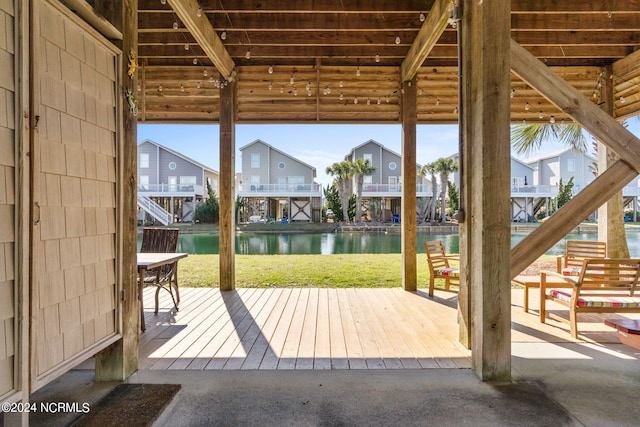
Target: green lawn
x: 339, y: 271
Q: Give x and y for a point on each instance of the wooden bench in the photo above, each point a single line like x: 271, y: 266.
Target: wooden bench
x: 534, y: 282
x: 603, y: 286
x: 576, y: 252
x: 628, y: 331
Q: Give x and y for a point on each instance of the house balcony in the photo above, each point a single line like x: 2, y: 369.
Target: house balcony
x: 536, y: 191
x: 393, y: 190
x: 171, y: 190
x: 280, y: 190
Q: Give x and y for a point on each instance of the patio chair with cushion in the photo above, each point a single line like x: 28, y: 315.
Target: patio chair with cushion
x: 576, y: 252
x: 439, y: 267
x: 162, y: 240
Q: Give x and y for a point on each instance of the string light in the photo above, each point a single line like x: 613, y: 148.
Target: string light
x: 397, y: 39
x: 378, y: 102
x: 175, y: 25
x: 622, y: 100
x: 341, y: 83
x: 270, y: 69
x: 526, y: 106
x: 281, y: 89
x: 270, y: 86
x: 513, y: 92
x: 181, y: 87
x: 199, y: 12
x: 186, y: 46
x: 422, y: 17
x: 368, y: 101
x: 291, y: 80
x: 355, y: 99
x: 295, y: 91
x: 195, y: 61
x: 139, y: 87
x: 248, y: 54
x: 377, y: 57
x: 552, y: 120
x: 437, y: 102
x: 205, y: 72
x: 198, y: 85
x: 358, y: 71
x: 160, y: 88
x: 223, y: 36
x: 341, y: 96
x: 540, y: 115
x: 308, y: 87
x: 163, y: 1
x: 524, y: 122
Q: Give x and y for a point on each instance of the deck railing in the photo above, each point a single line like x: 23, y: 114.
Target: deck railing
x: 171, y: 189
x: 315, y: 189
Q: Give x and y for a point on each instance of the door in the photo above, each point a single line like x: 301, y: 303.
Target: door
x: 75, y: 166
x: 393, y: 183
x: 173, y: 184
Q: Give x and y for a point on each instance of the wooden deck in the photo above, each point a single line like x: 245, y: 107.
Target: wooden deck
x: 326, y: 329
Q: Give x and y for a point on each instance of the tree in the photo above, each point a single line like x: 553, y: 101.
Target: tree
x: 360, y: 168
x: 209, y: 211
x: 565, y: 193
x: 333, y: 200
x: 343, y: 172
x: 444, y: 166
x: 454, y: 198
x: 430, y: 169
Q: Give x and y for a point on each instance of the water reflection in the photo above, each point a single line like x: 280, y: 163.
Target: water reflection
x: 349, y: 243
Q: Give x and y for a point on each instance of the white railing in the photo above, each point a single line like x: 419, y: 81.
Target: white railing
x: 154, y: 209
x: 281, y: 188
x: 535, y: 190
x: 393, y: 188
x: 174, y: 189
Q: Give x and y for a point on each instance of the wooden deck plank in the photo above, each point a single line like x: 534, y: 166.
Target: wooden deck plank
x: 292, y: 342
x: 322, y: 355
x: 179, y: 344
x: 271, y: 359
x: 363, y: 329
x: 338, y: 347
x: 355, y: 353
x: 256, y: 319
x: 306, y: 349
x: 262, y: 345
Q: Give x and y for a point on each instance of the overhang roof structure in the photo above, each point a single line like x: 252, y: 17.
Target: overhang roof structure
x: 337, y: 61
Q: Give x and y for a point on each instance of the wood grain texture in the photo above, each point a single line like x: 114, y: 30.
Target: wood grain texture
x: 227, y: 186
x: 409, y: 172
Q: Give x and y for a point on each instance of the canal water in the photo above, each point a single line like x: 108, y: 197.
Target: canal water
x: 349, y: 243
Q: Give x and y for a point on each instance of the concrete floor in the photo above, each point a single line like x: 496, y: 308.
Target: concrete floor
x: 554, y: 384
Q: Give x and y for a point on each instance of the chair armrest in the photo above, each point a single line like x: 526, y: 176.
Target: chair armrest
x: 561, y: 261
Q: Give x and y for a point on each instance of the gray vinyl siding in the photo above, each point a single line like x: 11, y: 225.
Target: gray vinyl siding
x: 269, y: 160
x: 152, y: 171
x: 183, y: 168
x: 519, y: 170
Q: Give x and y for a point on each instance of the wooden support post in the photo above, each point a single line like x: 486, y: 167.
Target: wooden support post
x: 611, y: 214
x: 120, y: 360
x: 409, y: 174
x: 486, y: 105
x: 227, y: 190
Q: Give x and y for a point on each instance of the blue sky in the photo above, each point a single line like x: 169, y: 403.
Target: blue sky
x: 317, y: 145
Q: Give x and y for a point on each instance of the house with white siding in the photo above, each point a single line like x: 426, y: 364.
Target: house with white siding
x: 172, y: 180
x: 276, y: 185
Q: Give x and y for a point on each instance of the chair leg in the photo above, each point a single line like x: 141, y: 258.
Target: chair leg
x: 157, y: 298
x: 573, y: 321
x: 431, y: 285
x: 543, y: 297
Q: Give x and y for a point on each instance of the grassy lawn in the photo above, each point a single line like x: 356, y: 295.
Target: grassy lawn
x: 266, y: 271
x: 337, y: 271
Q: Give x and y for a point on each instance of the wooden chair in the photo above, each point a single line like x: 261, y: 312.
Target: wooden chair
x: 576, y: 252
x: 162, y: 240
x: 439, y: 267
x: 603, y: 286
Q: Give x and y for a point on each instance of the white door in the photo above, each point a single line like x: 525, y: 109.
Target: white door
x: 393, y: 183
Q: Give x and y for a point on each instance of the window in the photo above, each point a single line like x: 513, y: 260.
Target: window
x: 571, y: 165
x: 393, y: 165
x: 143, y: 182
x: 281, y: 165
x: 172, y: 166
x: 255, y: 180
x: 144, y: 160
x: 368, y: 179
x: 368, y: 156
x: 255, y: 160
x: 296, y: 180
x: 187, y: 183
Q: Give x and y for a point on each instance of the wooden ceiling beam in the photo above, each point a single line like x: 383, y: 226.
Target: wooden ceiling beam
x: 203, y: 32
x: 433, y: 27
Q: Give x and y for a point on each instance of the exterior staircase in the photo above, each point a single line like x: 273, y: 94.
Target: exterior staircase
x: 154, y: 209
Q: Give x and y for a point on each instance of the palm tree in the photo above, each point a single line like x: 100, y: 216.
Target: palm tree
x: 360, y: 168
x: 444, y: 166
x: 342, y: 171
x: 526, y: 139
x: 430, y: 169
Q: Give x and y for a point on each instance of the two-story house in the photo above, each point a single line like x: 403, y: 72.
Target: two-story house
x: 384, y: 186
x: 172, y: 180
x: 278, y: 186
